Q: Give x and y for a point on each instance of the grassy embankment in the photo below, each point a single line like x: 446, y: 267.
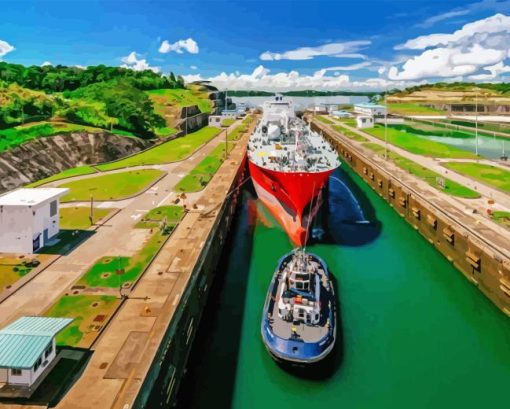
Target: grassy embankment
x: 200, y: 176
x: 114, y: 186
x: 78, y: 218
x: 169, y: 102
x: 349, y: 134
x: 484, y: 127
x: 12, y: 137
x: 171, y: 151
x: 452, y: 188
x: 227, y: 122
x: 413, y: 109
x: 419, y: 146
x: 109, y: 273
x: 487, y: 174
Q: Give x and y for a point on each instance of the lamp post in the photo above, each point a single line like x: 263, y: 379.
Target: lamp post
x: 385, y: 124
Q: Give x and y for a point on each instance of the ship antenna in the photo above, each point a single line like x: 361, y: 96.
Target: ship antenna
x: 308, y: 224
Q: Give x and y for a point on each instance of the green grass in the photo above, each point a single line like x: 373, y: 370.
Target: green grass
x: 79, y: 171
x: 78, y: 218
x: 325, y: 120
x: 12, y: 137
x: 349, y: 134
x: 80, y: 308
x: 413, y: 109
x: 153, y: 218
x: 165, y: 131
x: 487, y: 174
x: 501, y: 217
x: 417, y: 145
x: 171, y: 151
x: 347, y: 121
x: 200, y: 176
x: 485, y: 127
x: 227, y: 122
x: 12, y: 269
x: 181, y: 98
x: 113, y: 272
x: 114, y: 186
x: 451, y: 187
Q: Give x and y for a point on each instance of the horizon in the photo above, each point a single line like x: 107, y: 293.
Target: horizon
x: 332, y: 46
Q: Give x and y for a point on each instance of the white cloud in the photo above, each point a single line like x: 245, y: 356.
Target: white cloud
x: 188, y: 45
x: 495, y: 5
x: 133, y: 62
x: 45, y: 63
x: 465, y: 52
x: 193, y: 67
x: 261, y: 79
x: 348, y: 49
x: 352, y: 67
x: 494, y: 72
x: 5, y: 48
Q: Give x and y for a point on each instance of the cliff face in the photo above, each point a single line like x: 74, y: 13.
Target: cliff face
x: 192, y: 119
x: 47, y: 156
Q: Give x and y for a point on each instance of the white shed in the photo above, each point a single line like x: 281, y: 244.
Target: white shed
x: 370, y: 109
x: 29, y: 219
x: 364, y: 121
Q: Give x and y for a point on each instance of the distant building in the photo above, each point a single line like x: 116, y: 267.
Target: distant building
x: 341, y: 114
x: 28, y: 353
x: 215, y: 120
x: 367, y: 108
x: 29, y: 219
x: 364, y: 121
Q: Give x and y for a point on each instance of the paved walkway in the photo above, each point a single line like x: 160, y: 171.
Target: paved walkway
x: 436, y: 164
x: 117, y: 237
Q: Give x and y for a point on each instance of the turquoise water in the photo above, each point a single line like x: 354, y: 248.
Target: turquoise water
x: 415, y: 333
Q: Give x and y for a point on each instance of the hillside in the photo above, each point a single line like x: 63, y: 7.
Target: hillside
x: 43, y: 101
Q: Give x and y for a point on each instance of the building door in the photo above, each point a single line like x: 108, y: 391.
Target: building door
x: 37, y: 243
x: 45, y: 237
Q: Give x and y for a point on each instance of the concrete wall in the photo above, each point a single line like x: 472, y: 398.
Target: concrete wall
x: 15, y: 229
x: 43, y: 220
x: 23, y: 379
x: 481, y: 265
x: 3, y: 375
x: 45, y: 361
x: 162, y: 382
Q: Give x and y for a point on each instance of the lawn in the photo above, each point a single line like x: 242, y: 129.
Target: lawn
x: 88, y: 311
x: 325, y: 120
x: 171, y: 214
x: 79, y: 171
x: 347, y: 121
x: 13, y: 268
x: 484, y: 127
x: 200, y: 176
x: 452, y: 188
x: 171, y: 151
x: 114, y: 186
x: 113, y: 271
x: 418, y: 145
x: 78, y: 218
x: 227, y: 122
x: 487, y: 174
x: 413, y: 109
x: 349, y: 134
x: 501, y: 217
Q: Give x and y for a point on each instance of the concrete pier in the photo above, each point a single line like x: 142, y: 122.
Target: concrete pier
x: 477, y: 247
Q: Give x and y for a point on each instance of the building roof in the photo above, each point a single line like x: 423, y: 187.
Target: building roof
x: 369, y: 105
x: 31, y: 197
x: 23, y: 341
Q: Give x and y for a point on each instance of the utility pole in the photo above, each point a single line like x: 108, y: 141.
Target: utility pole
x: 226, y: 143
x: 186, y: 120
x: 386, y: 124
x: 476, y: 122
x: 91, y: 216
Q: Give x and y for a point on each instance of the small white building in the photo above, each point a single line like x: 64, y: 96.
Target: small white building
x: 341, y: 114
x: 370, y: 109
x: 364, y: 121
x: 29, y: 219
x: 28, y: 352
x: 215, y: 120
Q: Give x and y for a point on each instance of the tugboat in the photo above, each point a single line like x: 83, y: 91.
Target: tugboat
x: 299, y: 316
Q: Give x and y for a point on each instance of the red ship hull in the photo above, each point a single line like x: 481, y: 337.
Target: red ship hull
x: 288, y: 195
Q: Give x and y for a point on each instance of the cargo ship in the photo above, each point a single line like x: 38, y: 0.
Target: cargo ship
x: 289, y: 166
x: 299, y: 317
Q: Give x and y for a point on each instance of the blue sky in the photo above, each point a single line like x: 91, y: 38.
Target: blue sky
x: 269, y: 45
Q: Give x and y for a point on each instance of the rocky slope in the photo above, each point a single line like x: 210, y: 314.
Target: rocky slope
x: 47, y: 156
